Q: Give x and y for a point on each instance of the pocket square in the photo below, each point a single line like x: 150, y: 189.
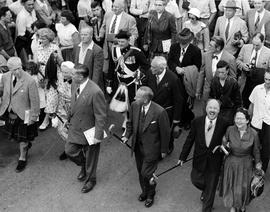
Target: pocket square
x: 153, y: 122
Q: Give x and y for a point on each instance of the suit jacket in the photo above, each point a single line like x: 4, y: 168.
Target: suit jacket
x: 43, y: 13
x: 24, y: 96
x: 250, y: 20
x: 94, y: 61
x: 206, y: 73
x: 204, y: 159
x: 238, y: 25
x: 88, y: 111
x: 160, y: 29
x: 127, y: 23
x: 244, y: 57
x: 168, y: 94
x: 192, y: 56
x: 156, y: 130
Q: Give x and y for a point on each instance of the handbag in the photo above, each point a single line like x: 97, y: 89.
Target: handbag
x: 257, y: 183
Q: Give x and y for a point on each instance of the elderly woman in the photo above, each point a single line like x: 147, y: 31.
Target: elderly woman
x: 44, y: 52
x: 20, y: 108
x: 243, y: 142
x: 200, y: 30
x: 67, y: 34
x: 161, y: 30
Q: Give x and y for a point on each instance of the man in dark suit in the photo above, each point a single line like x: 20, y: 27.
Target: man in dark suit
x: 150, y: 129
x: 206, y: 132
x: 167, y: 93
x: 88, y: 110
x: 185, y: 57
x: 91, y: 55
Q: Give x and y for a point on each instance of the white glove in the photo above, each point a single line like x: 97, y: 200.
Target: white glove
x: 109, y: 90
x: 54, y: 122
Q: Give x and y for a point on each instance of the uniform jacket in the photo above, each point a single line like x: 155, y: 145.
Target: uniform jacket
x: 43, y: 13
x: 24, y: 96
x: 238, y: 25
x: 88, y: 111
x: 168, y: 94
x: 160, y: 29
x: 250, y: 20
x: 94, y: 61
x: 263, y: 61
x: 206, y: 73
x: 204, y: 159
x: 127, y: 23
x: 156, y: 130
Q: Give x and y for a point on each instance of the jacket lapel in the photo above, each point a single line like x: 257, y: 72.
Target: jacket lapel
x: 214, y: 133
x: 202, y: 126
x: 17, y: 86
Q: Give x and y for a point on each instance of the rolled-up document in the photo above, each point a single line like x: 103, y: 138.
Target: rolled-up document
x: 224, y: 150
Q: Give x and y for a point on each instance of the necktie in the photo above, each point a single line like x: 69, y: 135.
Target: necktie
x: 254, y: 59
x: 114, y: 25
x: 183, y: 52
x: 77, y: 93
x: 210, y: 126
x: 157, y: 79
x: 227, y: 29
x: 14, y: 81
x: 257, y: 22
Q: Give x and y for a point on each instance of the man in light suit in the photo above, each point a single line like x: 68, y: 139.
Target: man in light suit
x: 256, y: 18
x: 253, y: 59
x: 228, y: 25
x: 113, y: 22
x: 150, y: 129
x: 88, y: 110
x: 44, y: 11
x: 19, y: 95
x: 206, y: 133
x: 209, y: 67
x: 91, y: 55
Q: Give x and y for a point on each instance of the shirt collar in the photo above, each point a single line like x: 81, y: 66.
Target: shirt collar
x: 160, y: 77
x: 90, y: 46
x: 146, y: 107
x: 82, y: 86
x: 261, y: 13
x: 207, y: 121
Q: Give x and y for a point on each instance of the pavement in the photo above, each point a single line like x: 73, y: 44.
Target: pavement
x: 50, y: 185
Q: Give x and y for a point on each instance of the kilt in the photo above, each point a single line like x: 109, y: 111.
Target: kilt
x: 19, y: 131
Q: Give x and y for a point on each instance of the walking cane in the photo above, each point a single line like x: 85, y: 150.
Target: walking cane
x: 117, y: 136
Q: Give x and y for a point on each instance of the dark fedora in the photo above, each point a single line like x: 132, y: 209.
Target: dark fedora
x: 123, y: 35
x: 185, y: 36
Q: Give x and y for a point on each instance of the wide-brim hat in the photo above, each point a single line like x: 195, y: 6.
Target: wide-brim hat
x: 123, y: 35
x: 185, y: 36
x: 231, y: 4
x: 194, y: 11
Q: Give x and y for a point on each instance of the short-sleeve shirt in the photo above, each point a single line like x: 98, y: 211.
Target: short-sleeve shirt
x: 261, y: 109
x: 84, y: 8
x: 24, y: 20
x: 172, y: 8
x: 65, y: 33
x: 206, y: 7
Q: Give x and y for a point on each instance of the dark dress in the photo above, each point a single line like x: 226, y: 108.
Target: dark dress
x: 238, y: 166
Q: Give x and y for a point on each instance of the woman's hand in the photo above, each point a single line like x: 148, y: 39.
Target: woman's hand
x: 259, y: 166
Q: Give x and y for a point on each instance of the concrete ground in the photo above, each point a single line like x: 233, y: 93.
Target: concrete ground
x: 50, y: 185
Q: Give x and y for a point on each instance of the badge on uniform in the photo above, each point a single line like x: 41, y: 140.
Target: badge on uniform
x: 130, y: 60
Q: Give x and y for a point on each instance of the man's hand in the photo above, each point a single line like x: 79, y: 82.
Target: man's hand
x: 163, y: 155
x: 109, y: 90
x: 176, y: 131
x: 241, y: 43
x: 179, y: 70
x: 124, y: 139
x: 245, y: 67
x: 180, y: 162
x: 96, y: 141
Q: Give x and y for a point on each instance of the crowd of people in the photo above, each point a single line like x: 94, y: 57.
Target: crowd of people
x: 64, y: 63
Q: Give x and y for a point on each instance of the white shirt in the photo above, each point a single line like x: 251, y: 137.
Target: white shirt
x: 215, y: 62
x: 82, y: 86
x: 172, y: 8
x: 65, y: 33
x: 82, y: 53
x: 42, y: 4
x: 160, y: 77
x: 206, y: 7
x: 24, y: 20
x: 84, y: 8
x: 146, y: 107
x: 138, y: 6
x: 116, y: 24
x: 261, y: 108
x: 16, y: 7
x: 253, y: 55
x: 209, y: 134
x: 261, y: 14
x: 181, y: 53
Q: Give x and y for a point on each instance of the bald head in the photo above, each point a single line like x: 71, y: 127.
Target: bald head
x: 212, y: 108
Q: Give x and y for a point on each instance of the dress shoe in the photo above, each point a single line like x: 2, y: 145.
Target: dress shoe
x: 21, y: 166
x: 63, y: 156
x: 82, y: 175
x: 149, y: 202
x: 88, y: 186
x: 142, y: 197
